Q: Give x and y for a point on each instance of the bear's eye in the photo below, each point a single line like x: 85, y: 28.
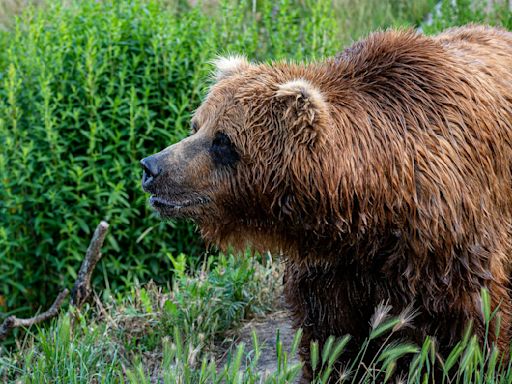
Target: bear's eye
x: 223, y: 151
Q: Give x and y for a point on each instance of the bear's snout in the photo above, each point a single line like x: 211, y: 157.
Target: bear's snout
x: 151, y: 170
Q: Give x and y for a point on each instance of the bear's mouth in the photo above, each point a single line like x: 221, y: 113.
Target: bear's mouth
x: 170, y: 207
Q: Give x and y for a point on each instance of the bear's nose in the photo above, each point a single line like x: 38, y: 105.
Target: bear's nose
x: 151, y: 171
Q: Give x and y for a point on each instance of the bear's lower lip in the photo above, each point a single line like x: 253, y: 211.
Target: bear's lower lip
x: 161, y: 203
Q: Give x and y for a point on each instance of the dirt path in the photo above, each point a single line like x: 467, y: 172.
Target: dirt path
x: 266, y: 330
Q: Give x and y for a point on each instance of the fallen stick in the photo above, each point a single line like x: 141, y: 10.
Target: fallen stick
x: 82, y: 288
x: 80, y: 292
x: 13, y: 322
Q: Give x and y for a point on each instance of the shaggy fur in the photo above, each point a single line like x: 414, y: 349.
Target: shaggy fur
x: 382, y: 175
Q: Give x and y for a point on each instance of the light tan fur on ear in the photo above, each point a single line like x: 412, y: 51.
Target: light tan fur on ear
x: 301, y: 88
x: 229, y: 65
x: 306, y: 109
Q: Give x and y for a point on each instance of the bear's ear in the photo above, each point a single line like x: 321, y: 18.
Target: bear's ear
x: 229, y: 65
x: 305, y: 110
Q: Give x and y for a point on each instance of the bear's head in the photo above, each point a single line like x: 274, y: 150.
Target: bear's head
x: 255, y: 156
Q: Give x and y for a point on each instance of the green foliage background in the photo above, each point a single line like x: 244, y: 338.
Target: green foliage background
x: 463, y: 12
x: 87, y: 89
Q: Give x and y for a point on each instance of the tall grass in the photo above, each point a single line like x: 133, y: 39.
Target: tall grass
x: 357, y: 18
x: 156, y: 335
x: 120, y: 334
x: 9, y: 9
x: 452, y: 13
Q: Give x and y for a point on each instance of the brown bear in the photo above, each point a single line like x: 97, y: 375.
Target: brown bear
x: 382, y: 175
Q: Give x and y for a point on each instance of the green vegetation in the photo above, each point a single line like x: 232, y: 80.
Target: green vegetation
x: 155, y: 334
x: 461, y: 12
x: 86, y: 89
x: 10, y: 8
x: 357, y: 18
x: 182, y: 323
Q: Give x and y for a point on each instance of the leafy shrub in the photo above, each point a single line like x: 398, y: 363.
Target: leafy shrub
x: 202, y: 304
x: 89, y: 88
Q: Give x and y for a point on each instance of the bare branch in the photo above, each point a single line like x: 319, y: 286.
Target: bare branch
x: 13, y: 322
x: 82, y: 288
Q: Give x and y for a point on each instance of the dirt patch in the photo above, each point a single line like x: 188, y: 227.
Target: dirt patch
x: 266, y: 329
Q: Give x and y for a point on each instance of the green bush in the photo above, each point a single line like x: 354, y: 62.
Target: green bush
x: 86, y: 90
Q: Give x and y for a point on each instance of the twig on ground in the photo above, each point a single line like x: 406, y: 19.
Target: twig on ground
x: 82, y: 288
x: 13, y: 322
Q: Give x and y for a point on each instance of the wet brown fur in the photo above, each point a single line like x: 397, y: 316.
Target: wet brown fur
x: 387, y: 177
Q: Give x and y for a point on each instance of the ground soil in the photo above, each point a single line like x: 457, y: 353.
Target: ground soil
x: 266, y: 329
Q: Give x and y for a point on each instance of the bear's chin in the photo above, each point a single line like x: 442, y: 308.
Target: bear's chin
x: 182, y: 208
